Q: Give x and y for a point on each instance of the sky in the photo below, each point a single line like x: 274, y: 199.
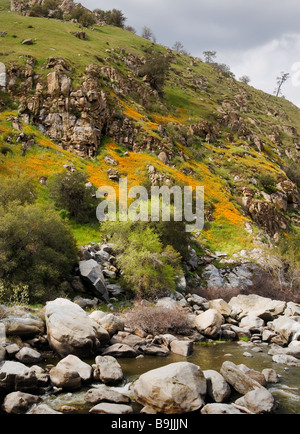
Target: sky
x: 258, y: 38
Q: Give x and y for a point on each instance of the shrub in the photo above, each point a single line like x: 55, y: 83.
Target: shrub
x: 292, y: 170
x: 268, y: 182
x: 159, y: 320
x: 20, y: 190
x: 149, y: 269
x: 36, y: 249
x: 70, y: 193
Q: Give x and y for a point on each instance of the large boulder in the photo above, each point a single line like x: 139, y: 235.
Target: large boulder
x: 209, y: 323
x: 108, y: 370
x: 15, y: 376
x: 238, y: 379
x: 258, y: 306
x: 71, y: 331
x: 19, y: 402
x: 217, y: 388
x: 287, y: 327
x: 22, y: 324
x: 258, y: 401
x: 91, y: 272
x: 110, y: 322
x: 173, y: 389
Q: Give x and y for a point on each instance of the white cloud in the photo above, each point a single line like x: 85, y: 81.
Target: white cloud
x: 259, y: 38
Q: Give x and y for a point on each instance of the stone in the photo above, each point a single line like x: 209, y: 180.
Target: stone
x: 71, y: 331
x: 209, y: 323
x: 120, y: 350
x: 108, y: 370
x: 253, y: 304
x: 217, y: 388
x: 287, y: 327
x: 270, y: 376
x: 173, y: 389
x: 15, y: 376
x: 65, y: 379
x: 103, y: 393
x: 252, y: 323
x: 107, y: 408
x: 19, y: 402
x: 92, y: 273
x: 28, y: 356
x: 155, y: 350
x: 257, y: 401
x: 111, y: 323
x: 239, y: 380
x: 12, y: 350
x: 182, y: 348
x: 24, y: 324
x: 73, y: 363
x: 220, y: 409
x: 45, y: 409
x: 220, y: 306
x: 28, y: 41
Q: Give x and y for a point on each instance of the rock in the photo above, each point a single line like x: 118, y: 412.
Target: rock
x: 257, y: 401
x: 23, y: 325
x: 182, y: 348
x: 240, y: 381
x: 128, y: 339
x: 255, y: 375
x: 42, y: 376
x: 253, y: 304
x: 103, y: 393
x: 270, y: 376
x: 44, y: 409
x: 287, y: 327
x: 2, y: 354
x: 221, y: 307
x: 86, y: 302
x: 167, y: 303
x: 173, y: 389
x: 217, y: 388
x: 28, y: 41
x: 19, y: 402
x: 91, y: 272
x: 28, y: 356
x: 120, y: 350
x: 241, y: 333
x: 73, y: 363
x: 12, y: 350
x: 155, y: 350
x: 252, y: 323
x: 14, y: 376
x: 108, y: 370
x: 65, y: 378
x: 285, y: 359
x: 71, y: 331
x: 220, y: 409
x: 110, y: 322
x: 209, y: 323
x: 111, y: 409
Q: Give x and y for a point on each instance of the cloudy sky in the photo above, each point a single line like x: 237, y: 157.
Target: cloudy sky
x: 258, y: 38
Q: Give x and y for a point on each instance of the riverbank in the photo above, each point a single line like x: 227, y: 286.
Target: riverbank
x: 64, y: 351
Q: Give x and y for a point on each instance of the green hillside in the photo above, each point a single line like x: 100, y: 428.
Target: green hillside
x: 202, y: 128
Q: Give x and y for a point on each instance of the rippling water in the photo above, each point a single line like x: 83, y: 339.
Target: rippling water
x: 286, y: 393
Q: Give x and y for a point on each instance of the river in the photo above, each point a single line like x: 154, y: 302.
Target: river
x: 207, y: 356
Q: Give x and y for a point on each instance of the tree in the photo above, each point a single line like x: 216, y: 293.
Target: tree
x: 245, y: 79
x: 148, y: 34
x: 115, y: 18
x: 209, y: 56
x: 70, y: 192
x: 19, y: 190
x: 156, y: 69
x: 280, y: 81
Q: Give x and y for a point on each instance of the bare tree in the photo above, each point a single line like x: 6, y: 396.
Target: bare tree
x: 280, y: 81
x: 245, y: 79
x: 148, y: 34
x: 209, y: 56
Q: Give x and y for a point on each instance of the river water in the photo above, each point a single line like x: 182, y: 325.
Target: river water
x: 207, y: 356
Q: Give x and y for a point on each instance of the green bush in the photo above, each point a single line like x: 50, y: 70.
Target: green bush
x: 149, y: 268
x: 36, y: 249
x: 156, y: 69
x: 70, y: 193
x: 18, y: 190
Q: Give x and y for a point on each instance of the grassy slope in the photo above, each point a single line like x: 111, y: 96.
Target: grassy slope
x: 184, y: 104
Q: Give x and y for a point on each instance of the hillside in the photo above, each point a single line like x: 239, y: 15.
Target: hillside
x: 80, y: 97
